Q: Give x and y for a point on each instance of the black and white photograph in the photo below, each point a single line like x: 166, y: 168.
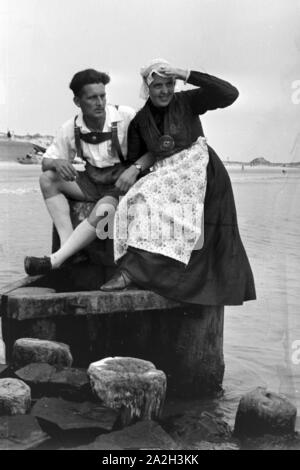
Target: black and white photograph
x: 150, y: 227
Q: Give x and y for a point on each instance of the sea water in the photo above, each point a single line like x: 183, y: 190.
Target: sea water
x: 261, y: 338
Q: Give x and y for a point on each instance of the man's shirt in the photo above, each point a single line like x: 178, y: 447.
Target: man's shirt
x: 99, y: 155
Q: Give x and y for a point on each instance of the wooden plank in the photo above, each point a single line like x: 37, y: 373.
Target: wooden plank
x: 25, y: 307
x: 25, y: 281
x: 5, y: 290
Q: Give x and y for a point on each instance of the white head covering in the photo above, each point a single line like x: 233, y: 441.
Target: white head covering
x: 147, y: 72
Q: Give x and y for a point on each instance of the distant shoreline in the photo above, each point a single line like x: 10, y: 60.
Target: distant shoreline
x: 12, y: 149
x: 249, y: 168
x: 262, y: 165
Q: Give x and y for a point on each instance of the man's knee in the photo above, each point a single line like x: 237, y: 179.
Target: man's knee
x: 104, y: 209
x: 48, y: 181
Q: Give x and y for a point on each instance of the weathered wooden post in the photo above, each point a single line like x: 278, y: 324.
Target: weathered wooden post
x: 184, y: 342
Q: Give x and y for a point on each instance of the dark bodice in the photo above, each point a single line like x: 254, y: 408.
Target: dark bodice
x: 180, y: 119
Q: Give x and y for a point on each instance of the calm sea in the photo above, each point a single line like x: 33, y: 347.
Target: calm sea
x: 260, y: 338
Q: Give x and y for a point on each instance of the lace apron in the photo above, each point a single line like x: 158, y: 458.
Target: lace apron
x: 163, y: 212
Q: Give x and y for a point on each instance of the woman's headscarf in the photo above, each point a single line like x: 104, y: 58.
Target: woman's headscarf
x: 147, y: 74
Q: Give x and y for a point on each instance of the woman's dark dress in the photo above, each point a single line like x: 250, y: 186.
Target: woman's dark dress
x: 219, y: 273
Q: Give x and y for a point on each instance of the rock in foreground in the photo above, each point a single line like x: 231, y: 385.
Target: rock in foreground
x: 191, y: 430
x: 29, y: 350
x: 15, y: 397
x: 263, y: 412
x: 129, y: 382
x: 20, y: 433
x: 67, y: 382
x: 145, y: 435
x: 67, y: 415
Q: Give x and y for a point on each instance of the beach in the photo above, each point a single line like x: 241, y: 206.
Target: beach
x: 260, y: 336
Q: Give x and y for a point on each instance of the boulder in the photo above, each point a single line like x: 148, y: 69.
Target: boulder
x: 71, y: 383
x: 145, y: 435
x: 206, y: 445
x: 20, y: 433
x: 4, y: 371
x: 15, y: 397
x: 28, y: 350
x: 67, y: 382
x: 131, y: 383
x: 190, y: 428
x: 263, y: 412
x: 36, y: 374
x: 272, y: 442
x: 70, y: 416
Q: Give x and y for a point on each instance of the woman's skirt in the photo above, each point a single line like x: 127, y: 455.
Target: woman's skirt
x: 218, y: 270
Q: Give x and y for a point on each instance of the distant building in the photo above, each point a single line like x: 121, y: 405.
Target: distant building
x: 259, y: 161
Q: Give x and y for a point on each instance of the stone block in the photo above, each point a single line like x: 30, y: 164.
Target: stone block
x: 70, y: 416
x: 145, y: 435
x: 190, y: 428
x: 21, y: 433
x: 129, y: 382
x: 15, y: 397
x: 67, y: 382
x: 29, y: 350
x: 263, y: 412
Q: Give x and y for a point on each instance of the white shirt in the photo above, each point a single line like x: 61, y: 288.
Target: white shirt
x: 99, y: 155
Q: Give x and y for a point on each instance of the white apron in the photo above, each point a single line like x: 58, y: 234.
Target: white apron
x: 163, y: 212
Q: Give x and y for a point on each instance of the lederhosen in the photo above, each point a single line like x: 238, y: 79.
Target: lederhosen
x: 96, y: 182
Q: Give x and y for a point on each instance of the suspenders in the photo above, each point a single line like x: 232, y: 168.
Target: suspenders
x: 98, y: 137
x: 115, y: 141
x: 77, y: 140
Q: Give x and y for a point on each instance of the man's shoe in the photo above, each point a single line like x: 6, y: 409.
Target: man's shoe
x: 119, y: 281
x: 34, y: 266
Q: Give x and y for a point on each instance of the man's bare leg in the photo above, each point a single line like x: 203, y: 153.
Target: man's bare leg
x: 85, y: 232
x: 55, y: 190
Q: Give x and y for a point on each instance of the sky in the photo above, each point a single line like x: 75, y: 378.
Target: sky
x: 254, y: 44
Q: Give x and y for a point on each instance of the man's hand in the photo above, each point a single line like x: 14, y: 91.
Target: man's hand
x: 127, y: 179
x: 65, y: 169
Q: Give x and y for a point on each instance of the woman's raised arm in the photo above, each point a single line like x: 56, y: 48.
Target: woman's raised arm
x: 212, y: 93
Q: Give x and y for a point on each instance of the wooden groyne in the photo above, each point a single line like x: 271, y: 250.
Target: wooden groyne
x: 186, y: 342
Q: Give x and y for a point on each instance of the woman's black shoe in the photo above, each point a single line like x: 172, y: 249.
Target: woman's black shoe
x: 120, y: 281
x: 34, y: 266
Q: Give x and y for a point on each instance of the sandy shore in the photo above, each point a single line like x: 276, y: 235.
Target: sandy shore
x: 4, y: 165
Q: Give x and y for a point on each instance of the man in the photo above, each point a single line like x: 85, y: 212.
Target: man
x: 99, y: 136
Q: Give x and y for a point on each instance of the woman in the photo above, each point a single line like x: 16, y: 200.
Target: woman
x: 206, y: 263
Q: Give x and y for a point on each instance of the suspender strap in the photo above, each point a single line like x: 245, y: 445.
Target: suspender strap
x: 77, y: 140
x: 113, y: 135
x: 115, y: 141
